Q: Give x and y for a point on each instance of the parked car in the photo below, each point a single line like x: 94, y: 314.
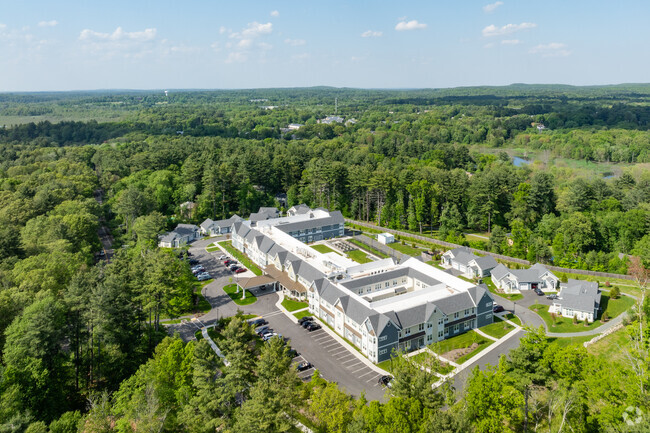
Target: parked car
x: 203, y: 277
x: 539, y: 292
x: 306, y: 365
x: 261, y: 329
x: 385, y: 380
x: 552, y: 296
x: 268, y: 336
x: 194, y: 262
x: 198, y: 270
x: 240, y: 270
x: 497, y: 308
x: 223, y: 257
x: 312, y: 326
x: 227, y: 262
x: 293, y: 353
x: 233, y: 267
x: 258, y: 322
x: 305, y: 319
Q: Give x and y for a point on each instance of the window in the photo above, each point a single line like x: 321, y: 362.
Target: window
x: 446, y: 331
x: 456, y: 328
x: 467, y: 312
x: 386, y: 284
x: 488, y: 316
x: 440, y: 334
x: 382, y: 351
x: 407, y: 331
x: 456, y: 315
x: 377, y: 286
x: 440, y: 321
x: 429, y: 325
x: 383, y: 338
x: 421, y: 327
x: 488, y: 304
x: 429, y: 337
x: 466, y: 325
x: 394, y: 282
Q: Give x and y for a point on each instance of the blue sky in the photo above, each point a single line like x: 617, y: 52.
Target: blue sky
x: 76, y: 45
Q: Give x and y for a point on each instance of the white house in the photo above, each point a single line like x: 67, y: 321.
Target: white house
x: 535, y: 277
x: 385, y: 238
x: 467, y: 263
x: 578, y: 298
x: 220, y: 227
x: 183, y: 234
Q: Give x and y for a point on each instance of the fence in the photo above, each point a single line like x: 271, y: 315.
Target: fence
x: 485, y: 253
x: 368, y: 241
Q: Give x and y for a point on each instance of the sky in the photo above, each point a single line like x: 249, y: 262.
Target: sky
x: 200, y: 44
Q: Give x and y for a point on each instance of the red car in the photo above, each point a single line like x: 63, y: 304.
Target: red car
x: 240, y: 270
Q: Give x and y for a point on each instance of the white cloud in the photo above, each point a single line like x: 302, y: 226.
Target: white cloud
x: 245, y: 43
x: 117, y: 35
x: 222, y: 30
x: 371, y: 34
x: 554, y: 49
x: 236, y: 57
x: 493, y: 30
x: 295, y: 42
x: 489, y: 45
x: 409, y: 25
x: 275, y: 13
x: 2, y: 26
x: 265, y: 46
x: 50, y: 23
x: 488, y: 9
x: 510, y: 42
x: 253, y: 30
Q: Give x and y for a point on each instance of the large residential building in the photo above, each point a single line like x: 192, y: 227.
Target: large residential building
x: 379, y: 306
x: 220, y: 227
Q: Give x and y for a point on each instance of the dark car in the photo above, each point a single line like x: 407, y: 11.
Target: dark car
x: 539, y: 292
x: 304, y: 366
x: 302, y: 320
x: 194, y: 262
x: 312, y: 326
x: 258, y: 322
x: 293, y: 353
x: 261, y: 329
x: 385, y: 380
x: 497, y: 309
x: 552, y: 296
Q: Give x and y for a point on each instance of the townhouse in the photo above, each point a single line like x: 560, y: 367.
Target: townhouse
x: 577, y: 298
x: 220, y: 227
x: 467, y: 263
x: 182, y: 235
x: 514, y: 280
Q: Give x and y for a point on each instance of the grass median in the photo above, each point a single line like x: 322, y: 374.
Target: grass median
x: 292, y: 305
x: 231, y: 290
x: 227, y: 245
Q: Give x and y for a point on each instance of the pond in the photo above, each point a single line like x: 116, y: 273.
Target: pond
x: 518, y: 161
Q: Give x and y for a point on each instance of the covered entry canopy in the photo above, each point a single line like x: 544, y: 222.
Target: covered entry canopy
x: 250, y: 283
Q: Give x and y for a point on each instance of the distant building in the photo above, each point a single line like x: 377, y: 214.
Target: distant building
x: 298, y: 210
x: 294, y: 126
x: 183, y: 234
x: 220, y: 227
x: 331, y: 119
x: 385, y: 238
x: 264, y: 213
x: 282, y: 199
x: 187, y: 209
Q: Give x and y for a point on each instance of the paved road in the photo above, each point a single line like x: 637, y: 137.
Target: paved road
x: 104, y: 234
x: 333, y: 361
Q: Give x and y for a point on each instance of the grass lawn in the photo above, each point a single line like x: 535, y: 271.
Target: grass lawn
x: 323, y: 249
x: 497, y: 329
x: 405, y: 249
x: 227, y: 245
x: 511, y: 297
x: 427, y: 360
x: 460, y: 342
x: 371, y: 250
x: 614, y: 307
x: 359, y: 256
x: 292, y: 305
x: 611, y: 347
x: 511, y: 317
x: 562, y: 324
x: 231, y: 290
x: 386, y: 365
x: 211, y: 249
x: 570, y: 341
x: 301, y: 314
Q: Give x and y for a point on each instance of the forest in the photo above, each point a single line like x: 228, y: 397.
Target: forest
x: 437, y: 162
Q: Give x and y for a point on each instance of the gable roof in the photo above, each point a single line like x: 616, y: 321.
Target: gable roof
x: 486, y: 262
x: 207, y: 223
x: 500, y: 272
x: 457, y: 302
x: 334, y: 218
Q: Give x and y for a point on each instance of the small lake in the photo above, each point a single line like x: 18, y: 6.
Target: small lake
x: 518, y: 161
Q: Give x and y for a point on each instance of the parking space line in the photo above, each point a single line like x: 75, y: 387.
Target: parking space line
x: 349, y: 360
x: 346, y: 357
x: 351, y: 366
x: 356, y: 371
x: 328, y: 346
x: 339, y: 352
x: 365, y: 374
x: 373, y: 378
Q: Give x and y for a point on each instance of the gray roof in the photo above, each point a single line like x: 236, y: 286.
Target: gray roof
x: 335, y: 218
x: 180, y: 231
x: 414, y: 315
x: 487, y: 262
x: 327, y: 290
x: 525, y: 275
x: 378, y: 322
x: 266, y: 244
x: 463, y: 257
x: 458, y: 302
x: 354, y: 309
x: 477, y: 292
x: 207, y: 223
x: 499, y: 272
x: 383, y: 276
x: 186, y: 229
x: 306, y: 271
x: 228, y: 222
x: 300, y: 209
x: 241, y: 229
x: 580, y: 295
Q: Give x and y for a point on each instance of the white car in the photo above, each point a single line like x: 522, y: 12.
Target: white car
x: 223, y: 257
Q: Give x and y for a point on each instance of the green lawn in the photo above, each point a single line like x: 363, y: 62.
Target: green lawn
x: 211, y: 249
x: 511, y: 297
x: 427, y: 360
x: 405, y: 249
x: 511, y: 317
x: 460, y: 342
x: 371, y: 250
x: 612, y: 346
x: 323, y: 249
x: 292, y: 305
x: 386, y: 365
x: 359, y: 256
x: 570, y: 341
x: 497, y: 329
x: 614, y: 307
x: 231, y: 290
x: 301, y: 314
x: 227, y: 245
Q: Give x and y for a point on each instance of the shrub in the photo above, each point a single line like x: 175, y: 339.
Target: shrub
x: 614, y: 293
x: 575, y: 319
x: 605, y: 317
x: 607, y: 284
x: 553, y: 318
x: 587, y: 321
